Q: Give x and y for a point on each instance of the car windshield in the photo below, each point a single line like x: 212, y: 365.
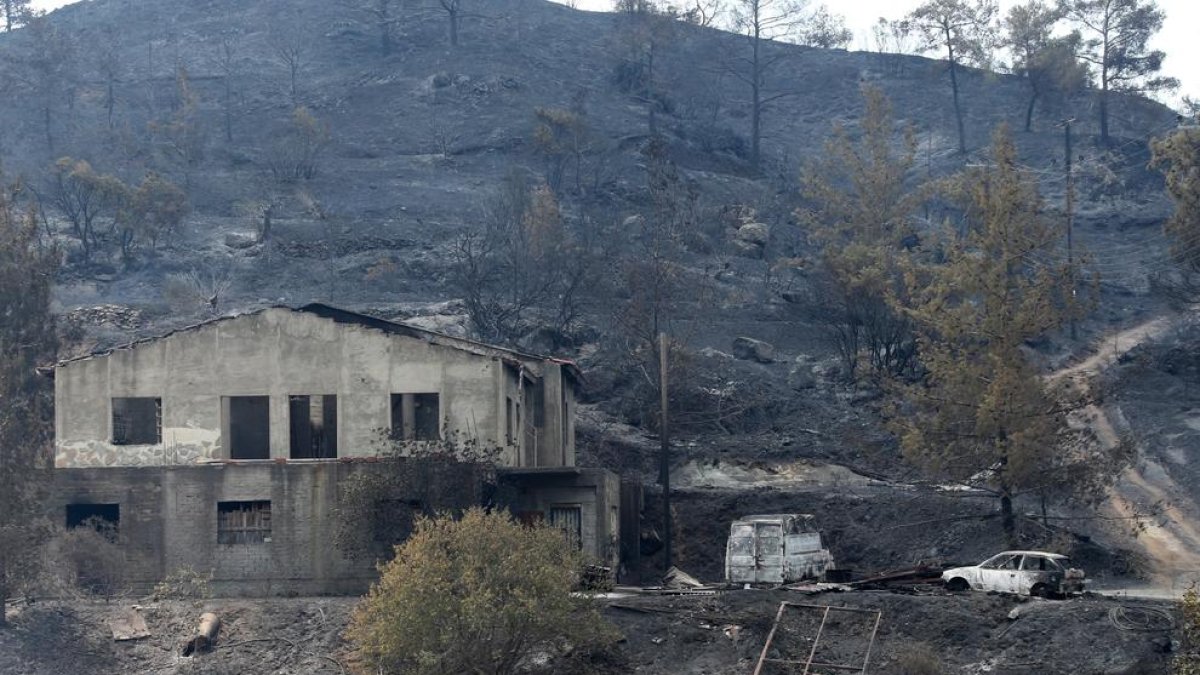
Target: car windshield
x: 1002, y: 561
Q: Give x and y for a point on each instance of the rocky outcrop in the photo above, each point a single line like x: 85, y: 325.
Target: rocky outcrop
x: 751, y: 239
x: 749, y: 349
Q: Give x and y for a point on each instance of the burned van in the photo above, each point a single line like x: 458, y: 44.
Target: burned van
x: 779, y: 548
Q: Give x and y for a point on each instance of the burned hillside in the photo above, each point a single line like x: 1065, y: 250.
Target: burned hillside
x: 283, y: 241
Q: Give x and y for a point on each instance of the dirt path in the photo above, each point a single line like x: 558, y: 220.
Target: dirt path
x: 1110, y: 348
x: 1170, y: 540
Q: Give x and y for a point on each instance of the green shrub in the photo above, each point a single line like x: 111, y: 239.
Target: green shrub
x: 481, y: 594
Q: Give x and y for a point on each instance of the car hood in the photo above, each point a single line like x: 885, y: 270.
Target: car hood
x: 955, y: 571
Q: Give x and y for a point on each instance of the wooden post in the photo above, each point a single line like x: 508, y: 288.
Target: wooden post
x: 664, y: 455
x: 1070, y: 221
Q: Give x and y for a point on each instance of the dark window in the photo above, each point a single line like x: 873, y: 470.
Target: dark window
x: 510, y: 423
x: 136, y: 421
x: 103, y: 518
x: 570, y: 520
x: 394, y: 520
x: 243, y: 522
x: 539, y: 404
x: 416, y: 417
x: 248, y: 427
x: 313, y: 422
x: 565, y: 424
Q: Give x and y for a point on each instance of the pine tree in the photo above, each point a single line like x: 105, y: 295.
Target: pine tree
x: 983, y: 414
x: 1116, y: 36
x: 15, y: 13
x: 1048, y: 62
x: 27, y: 341
x: 964, y: 29
x: 862, y: 207
x: 1178, y: 157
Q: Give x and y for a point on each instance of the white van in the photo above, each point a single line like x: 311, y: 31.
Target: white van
x: 775, y: 549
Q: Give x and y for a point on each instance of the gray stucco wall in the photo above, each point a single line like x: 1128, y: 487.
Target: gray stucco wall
x: 597, y: 492
x: 168, y: 520
x: 275, y: 353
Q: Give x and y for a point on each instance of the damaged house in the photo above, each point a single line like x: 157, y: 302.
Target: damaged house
x: 226, y: 446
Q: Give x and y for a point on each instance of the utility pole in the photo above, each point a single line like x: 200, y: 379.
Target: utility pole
x: 1070, y: 219
x: 664, y: 454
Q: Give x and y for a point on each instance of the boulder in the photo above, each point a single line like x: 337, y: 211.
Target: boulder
x: 750, y: 240
x: 747, y: 249
x: 749, y: 349
x: 801, y: 376
x: 240, y: 240
x: 754, y: 233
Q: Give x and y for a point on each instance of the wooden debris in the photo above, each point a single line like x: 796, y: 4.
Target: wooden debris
x: 206, y: 634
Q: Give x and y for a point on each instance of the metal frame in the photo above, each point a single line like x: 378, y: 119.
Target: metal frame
x: 808, y: 662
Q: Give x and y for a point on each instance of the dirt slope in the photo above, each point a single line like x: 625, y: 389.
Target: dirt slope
x: 720, y: 634
x: 1146, y: 493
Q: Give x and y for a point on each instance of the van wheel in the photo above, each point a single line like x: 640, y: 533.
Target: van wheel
x: 957, y: 585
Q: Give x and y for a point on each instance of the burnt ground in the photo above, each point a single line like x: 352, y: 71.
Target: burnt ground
x: 724, y: 633
x: 874, y: 529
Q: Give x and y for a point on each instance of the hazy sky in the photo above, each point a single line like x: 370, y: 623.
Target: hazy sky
x: 1180, y: 36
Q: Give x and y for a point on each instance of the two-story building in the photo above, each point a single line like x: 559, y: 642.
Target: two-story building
x: 226, y: 446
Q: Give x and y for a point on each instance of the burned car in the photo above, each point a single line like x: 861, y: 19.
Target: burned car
x: 778, y: 548
x: 1035, y: 573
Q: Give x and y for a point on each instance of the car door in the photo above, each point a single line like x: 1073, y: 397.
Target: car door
x: 1038, y: 569
x: 740, y: 564
x: 998, y: 573
x: 1013, y: 580
x: 768, y: 552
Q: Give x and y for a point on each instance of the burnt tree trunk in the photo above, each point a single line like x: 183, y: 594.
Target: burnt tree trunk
x: 958, y: 119
x: 1008, y: 518
x: 3, y: 592
x: 756, y: 102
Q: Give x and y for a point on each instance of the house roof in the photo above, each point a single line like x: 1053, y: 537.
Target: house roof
x: 340, y: 315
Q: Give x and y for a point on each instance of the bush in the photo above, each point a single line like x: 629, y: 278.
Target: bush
x: 483, y: 594
x: 1187, y: 661
x: 184, y: 583
x: 84, y: 560
x: 918, y: 659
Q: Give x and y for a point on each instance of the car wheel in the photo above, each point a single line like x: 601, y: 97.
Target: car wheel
x: 1041, y: 591
x: 957, y: 585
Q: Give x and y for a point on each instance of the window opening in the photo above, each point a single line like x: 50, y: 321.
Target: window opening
x: 248, y: 427
x: 313, y: 426
x: 244, y: 522
x: 539, y: 404
x: 136, y: 421
x: 509, y: 422
x: 394, y: 519
x: 104, y: 518
x: 416, y: 417
x: 570, y: 520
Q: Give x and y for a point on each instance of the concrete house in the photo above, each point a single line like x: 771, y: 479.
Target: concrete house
x: 225, y: 446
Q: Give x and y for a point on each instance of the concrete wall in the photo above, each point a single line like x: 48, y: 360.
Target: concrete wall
x: 277, y: 353
x: 596, y: 491
x: 168, y: 520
